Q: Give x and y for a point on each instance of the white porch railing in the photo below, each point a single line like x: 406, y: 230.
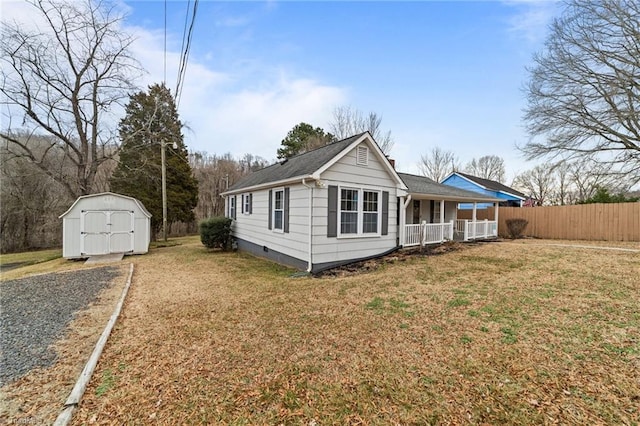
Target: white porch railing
x: 470, y: 230
x: 427, y: 233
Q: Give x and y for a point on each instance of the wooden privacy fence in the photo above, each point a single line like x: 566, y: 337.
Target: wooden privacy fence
x: 602, y: 222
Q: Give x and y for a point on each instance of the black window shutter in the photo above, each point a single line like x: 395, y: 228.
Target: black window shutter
x: 286, y: 210
x: 235, y: 205
x: 250, y: 203
x: 385, y: 212
x: 270, y: 206
x: 332, y: 213
x: 242, y: 201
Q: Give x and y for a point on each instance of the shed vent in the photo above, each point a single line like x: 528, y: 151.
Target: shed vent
x: 362, y: 156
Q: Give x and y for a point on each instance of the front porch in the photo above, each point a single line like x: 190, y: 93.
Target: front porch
x: 456, y: 230
x: 427, y: 221
x: 428, y: 213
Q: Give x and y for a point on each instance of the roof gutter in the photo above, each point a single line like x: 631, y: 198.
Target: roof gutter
x: 274, y: 184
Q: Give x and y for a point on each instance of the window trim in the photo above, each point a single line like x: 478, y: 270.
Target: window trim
x: 246, y: 204
x: 273, y: 210
x: 232, y: 206
x: 360, y: 223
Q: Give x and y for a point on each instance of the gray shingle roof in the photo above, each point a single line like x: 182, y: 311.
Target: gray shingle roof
x: 299, y: 165
x: 426, y: 186
x: 492, y: 184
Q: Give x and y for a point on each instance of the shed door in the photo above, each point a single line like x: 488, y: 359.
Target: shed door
x: 104, y: 232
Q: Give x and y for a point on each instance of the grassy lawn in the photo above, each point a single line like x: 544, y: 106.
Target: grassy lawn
x: 30, y: 258
x: 496, y: 333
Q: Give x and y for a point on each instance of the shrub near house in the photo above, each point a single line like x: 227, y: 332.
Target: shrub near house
x: 215, y: 232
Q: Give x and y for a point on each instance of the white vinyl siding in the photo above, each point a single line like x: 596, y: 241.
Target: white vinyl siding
x: 347, y: 174
x: 253, y: 227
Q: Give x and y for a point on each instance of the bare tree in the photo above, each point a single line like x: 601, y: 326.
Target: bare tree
x: 563, y: 191
x: 538, y: 182
x: 438, y: 164
x: 348, y: 121
x: 216, y: 173
x: 587, y: 175
x: 584, y: 90
x: 31, y: 202
x: 66, y: 79
x: 488, y: 167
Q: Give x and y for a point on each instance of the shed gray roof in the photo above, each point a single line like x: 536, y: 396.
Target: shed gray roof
x: 426, y: 186
x: 300, y: 165
x: 493, y: 185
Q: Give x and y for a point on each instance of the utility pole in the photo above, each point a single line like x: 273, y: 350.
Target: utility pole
x: 163, y: 160
x: 163, y: 145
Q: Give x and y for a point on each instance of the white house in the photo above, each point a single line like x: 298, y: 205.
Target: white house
x: 341, y: 203
x: 105, y: 223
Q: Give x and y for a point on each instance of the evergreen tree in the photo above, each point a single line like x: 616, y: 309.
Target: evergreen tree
x: 151, y: 119
x: 602, y: 195
x: 302, y: 138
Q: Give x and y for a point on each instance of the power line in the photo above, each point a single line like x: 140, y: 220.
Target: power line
x: 164, y: 78
x: 186, y: 48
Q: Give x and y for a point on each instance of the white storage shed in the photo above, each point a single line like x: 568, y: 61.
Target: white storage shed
x: 105, y: 223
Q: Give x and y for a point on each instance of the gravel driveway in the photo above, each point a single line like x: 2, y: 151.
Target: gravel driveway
x: 35, y: 311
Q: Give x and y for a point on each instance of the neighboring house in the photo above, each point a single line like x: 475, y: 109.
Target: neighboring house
x: 509, y: 197
x: 335, y: 205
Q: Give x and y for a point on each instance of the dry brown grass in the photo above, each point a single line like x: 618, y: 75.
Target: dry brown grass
x: 497, y: 333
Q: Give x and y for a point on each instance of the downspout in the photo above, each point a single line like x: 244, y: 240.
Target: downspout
x: 310, y: 263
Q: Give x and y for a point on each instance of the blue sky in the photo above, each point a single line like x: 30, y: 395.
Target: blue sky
x: 447, y: 74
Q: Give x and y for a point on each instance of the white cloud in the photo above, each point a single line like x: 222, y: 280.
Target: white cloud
x: 245, y: 112
x: 532, y: 18
x: 255, y: 121
x: 248, y: 112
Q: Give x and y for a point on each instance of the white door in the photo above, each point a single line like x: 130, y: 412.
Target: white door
x: 104, y: 232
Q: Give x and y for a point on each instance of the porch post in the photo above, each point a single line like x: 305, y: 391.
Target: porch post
x: 495, y: 216
x: 402, y: 211
x: 473, y: 221
x: 441, y: 220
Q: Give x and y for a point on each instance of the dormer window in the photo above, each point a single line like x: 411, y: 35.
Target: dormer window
x: 362, y: 156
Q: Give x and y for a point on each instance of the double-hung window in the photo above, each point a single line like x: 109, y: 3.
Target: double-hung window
x: 278, y: 210
x: 232, y: 207
x: 370, y: 213
x: 349, y: 211
x: 359, y: 212
x: 246, y: 203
